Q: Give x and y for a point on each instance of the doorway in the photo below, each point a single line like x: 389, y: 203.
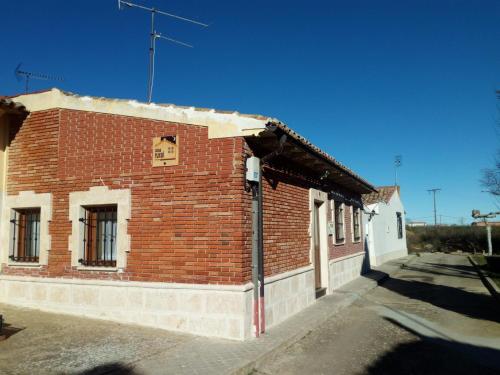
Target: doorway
x: 316, y: 234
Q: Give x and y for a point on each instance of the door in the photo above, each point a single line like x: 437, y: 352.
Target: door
x: 316, y: 239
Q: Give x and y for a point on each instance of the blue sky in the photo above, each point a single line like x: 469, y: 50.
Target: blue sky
x: 364, y: 80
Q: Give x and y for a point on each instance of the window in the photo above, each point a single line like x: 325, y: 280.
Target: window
x: 339, y: 221
x: 356, y: 224
x: 25, y: 224
x: 399, y: 219
x: 99, y: 236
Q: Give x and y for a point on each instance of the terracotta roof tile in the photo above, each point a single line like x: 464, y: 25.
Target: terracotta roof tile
x: 383, y: 194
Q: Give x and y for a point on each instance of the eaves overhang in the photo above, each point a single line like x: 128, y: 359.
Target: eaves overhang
x: 10, y: 106
x: 305, y: 158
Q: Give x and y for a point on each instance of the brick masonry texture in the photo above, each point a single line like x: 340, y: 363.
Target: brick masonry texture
x: 186, y: 223
x: 190, y: 223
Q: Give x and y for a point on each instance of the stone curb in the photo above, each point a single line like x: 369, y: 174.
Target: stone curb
x: 377, y: 277
x: 492, y: 286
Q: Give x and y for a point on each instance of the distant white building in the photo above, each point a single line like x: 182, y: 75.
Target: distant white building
x: 416, y: 224
x: 384, y: 223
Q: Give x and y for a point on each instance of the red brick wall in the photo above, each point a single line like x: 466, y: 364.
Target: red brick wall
x: 349, y: 247
x: 286, y: 224
x: 188, y: 222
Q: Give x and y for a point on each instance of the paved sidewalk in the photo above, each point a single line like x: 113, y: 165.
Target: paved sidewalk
x: 46, y: 343
x: 209, y: 356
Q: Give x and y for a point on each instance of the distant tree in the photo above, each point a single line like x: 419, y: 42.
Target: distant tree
x: 491, y: 176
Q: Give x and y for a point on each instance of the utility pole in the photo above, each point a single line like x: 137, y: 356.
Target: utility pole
x: 397, y: 164
x: 434, y: 191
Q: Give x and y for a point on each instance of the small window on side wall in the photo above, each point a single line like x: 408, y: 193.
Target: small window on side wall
x: 25, y: 230
x: 399, y: 219
x: 339, y: 222
x: 99, y: 236
x: 356, y: 224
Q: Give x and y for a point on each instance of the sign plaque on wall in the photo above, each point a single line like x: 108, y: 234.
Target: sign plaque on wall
x: 165, y: 151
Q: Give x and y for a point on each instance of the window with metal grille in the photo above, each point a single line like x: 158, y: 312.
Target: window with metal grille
x: 99, y: 236
x: 25, y: 224
x: 339, y: 221
x: 399, y: 219
x: 356, y: 224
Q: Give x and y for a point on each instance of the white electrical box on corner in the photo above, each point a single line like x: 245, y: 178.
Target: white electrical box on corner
x: 253, y: 169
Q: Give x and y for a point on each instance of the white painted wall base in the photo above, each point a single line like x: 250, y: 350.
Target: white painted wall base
x: 345, y: 269
x: 220, y: 311
x: 382, y: 258
x: 287, y: 294
x: 208, y: 310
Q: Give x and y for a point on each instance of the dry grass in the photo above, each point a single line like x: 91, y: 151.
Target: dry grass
x: 453, y: 238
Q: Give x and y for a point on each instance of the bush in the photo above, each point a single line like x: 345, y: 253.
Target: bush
x: 453, y: 238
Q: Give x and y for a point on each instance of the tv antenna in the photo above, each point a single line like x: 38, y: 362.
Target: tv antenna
x: 30, y: 75
x: 398, y: 159
x: 156, y: 35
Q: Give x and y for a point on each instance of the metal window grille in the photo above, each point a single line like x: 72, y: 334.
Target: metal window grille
x: 25, y: 229
x: 339, y: 221
x: 99, y: 236
x: 399, y: 219
x: 356, y: 224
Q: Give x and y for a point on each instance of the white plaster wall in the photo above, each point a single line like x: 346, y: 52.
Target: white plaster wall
x: 218, y: 311
x: 345, y: 269
x: 287, y: 294
x: 383, y: 241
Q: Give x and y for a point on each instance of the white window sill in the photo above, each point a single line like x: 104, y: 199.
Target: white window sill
x: 339, y: 243
x: 24, y: 264
x: 101, y: 269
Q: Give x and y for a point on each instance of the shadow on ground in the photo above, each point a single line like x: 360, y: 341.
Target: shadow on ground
x: 473, y: 305
x: 9, y: 330
x: 114, y: 368
x: 433, y: 356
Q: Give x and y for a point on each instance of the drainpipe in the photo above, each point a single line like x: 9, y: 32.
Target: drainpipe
x: 255, y: 254
x: 264, y: 159
x: 261, y: 257
x: 254, y: 177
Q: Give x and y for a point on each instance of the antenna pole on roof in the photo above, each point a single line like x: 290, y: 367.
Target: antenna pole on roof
x: 155, y: 35
x: 29, y: 75
x: 397, y: 164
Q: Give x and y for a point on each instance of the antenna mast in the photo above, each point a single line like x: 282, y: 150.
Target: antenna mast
x: 155, y: 35
x: 30, y: 75
x: 397, y: 164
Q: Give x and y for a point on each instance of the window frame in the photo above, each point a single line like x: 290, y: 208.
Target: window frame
x: 95, y: 248
x: 22, y: 221
x: 100, y: 196
x: 26, y: 200
x: 356, y: 223
x: 399, y: 225
x: 341, y: 206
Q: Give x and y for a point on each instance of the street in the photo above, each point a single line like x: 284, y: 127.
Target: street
x: 433, y: 317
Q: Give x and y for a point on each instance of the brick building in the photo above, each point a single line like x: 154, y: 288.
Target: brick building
x: 140, y: 213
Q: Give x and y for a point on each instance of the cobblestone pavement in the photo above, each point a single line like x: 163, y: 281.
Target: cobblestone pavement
x: 434, y: 316
x: 46, y: 343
